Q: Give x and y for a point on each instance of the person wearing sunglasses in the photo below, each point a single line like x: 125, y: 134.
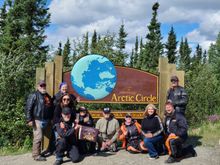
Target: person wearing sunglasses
x: 39, y: 113
x: 130, y: 135
x: 63, y: 88
x: 65, y: 101
x: 177, y: 95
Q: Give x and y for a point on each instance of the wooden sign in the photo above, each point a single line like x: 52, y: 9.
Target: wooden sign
x: 133, y: 86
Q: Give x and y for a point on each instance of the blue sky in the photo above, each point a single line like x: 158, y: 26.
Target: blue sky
x: 198, y: 20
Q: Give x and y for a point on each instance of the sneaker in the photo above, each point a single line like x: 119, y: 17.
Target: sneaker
x: 58, y: 162
x: 114, y: 147
x: 170, y: 160
x: 154, y: 157
x: 40, y: 158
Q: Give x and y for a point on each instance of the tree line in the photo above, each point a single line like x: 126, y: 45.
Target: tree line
x: 22, y: 49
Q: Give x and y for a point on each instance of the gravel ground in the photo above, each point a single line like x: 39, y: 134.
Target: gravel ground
x: 206, y: 156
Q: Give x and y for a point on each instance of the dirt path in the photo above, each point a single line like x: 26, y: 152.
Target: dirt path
x: 206, y: 156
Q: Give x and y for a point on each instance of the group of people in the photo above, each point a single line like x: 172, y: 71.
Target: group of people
x: 60, y: 116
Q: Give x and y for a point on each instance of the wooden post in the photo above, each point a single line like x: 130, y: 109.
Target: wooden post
x: 166, y: 70
x: 163, y: 83
x: 58, y: 61
x: 50, y: 86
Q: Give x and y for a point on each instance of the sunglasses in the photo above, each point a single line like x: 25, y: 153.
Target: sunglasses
x: 64, y: 99
x: 43, y: 85
x: 173, y: 81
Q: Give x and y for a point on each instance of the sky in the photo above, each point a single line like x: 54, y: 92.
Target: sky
x: 198, y: 20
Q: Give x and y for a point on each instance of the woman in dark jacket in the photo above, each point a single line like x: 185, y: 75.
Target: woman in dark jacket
x: 65, y: 101
x: 152, y: 130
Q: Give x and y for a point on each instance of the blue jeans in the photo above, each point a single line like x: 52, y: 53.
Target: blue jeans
x: 150, y: 144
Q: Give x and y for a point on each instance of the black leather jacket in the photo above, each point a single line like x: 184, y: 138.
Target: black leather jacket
x: 176, y: 123
x: 179, y: 98
x: 39, y: 107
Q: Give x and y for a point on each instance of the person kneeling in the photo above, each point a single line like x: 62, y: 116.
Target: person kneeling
x: 176, y: 131
x: 131, y: 135
x: 108, y: 128
x: 152, y: 130
x: 85, y: 119
x: 66, y: 140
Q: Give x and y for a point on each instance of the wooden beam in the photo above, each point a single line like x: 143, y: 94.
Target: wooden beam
x: 58, y: 61
x: 50, y: 77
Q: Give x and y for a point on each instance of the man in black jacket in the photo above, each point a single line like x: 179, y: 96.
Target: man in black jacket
x: 39, y: 113
x: 66, y: 138
x: 177, y: 95
x: 176, y: 130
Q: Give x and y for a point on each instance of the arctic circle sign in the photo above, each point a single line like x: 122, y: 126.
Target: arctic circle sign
x: 96, y: 80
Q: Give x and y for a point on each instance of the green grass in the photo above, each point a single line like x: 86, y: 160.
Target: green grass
x: 13, y: 151
x: 207, y: 134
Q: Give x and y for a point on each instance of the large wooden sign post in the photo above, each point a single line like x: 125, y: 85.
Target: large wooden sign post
x: 133, y: 86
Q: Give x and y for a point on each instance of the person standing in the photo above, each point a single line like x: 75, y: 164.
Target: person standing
x: 152, y: 130
x: 108, y: 128
x: 177, y: 95
x: 39, y: 113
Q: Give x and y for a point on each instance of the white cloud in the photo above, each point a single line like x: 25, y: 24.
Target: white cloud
x: 75, y: 17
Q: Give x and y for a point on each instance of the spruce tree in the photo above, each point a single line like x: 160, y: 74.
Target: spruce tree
x: 214, y: 56
x: 154, y: 47
x: 132, y: 59
x: 66, y: 53
x: 86, y: 44
x: 140, y: 56
x: 59, y: 49
x: 196, y: 60
x: 120, y: 44
x: 135, y: 61
x: 171, y: 46
x: 94, y: 43
x: 184, y: 52
x: 24, y: 29
x: 204, y: 57
x: 3, y: 15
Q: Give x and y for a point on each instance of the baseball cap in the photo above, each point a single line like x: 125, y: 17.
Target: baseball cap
x: 82, y: 108
x: 66, y: 111
x: 106, y: 110
x: 174, y: 78
x: 41, y: 82
x: 128, y: 115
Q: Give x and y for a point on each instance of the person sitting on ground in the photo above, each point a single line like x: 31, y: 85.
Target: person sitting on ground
x: 108, y: 128
x: 131, y: 135
x: 176, y: 131
x: 66, y: 139
x: 152, y: 130
x: 85, y: 119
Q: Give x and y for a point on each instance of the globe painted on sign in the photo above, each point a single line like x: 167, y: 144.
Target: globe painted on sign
x: 93, y: 77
